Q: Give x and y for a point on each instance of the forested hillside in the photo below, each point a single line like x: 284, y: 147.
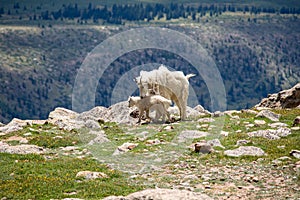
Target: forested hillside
x: 42, y: 46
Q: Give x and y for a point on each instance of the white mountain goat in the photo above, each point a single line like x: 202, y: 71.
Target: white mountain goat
x: 145, y: 103
x: 173, y: 85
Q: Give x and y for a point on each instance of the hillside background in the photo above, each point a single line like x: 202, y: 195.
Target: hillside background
x: 255, y: 45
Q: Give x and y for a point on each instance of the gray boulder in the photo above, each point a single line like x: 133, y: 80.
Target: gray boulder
x: 245, y: 151
x: 162, y: 194
x: 269, y: 114
x: 65, y: 119
x: 21, y: 149
x: 270, y: 133
x: 95, y: 114
x: 119, y: 113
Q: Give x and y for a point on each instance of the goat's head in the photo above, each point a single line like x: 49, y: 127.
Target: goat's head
x: 143, y: 86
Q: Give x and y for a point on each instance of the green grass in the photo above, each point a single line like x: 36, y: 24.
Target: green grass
x: 34, y: 177
x: 47, y: 135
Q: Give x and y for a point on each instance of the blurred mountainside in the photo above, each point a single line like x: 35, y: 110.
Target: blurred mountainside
x: 256, y: 51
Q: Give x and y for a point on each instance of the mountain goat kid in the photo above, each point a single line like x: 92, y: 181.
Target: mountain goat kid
x: 145, y: 103
x: 173, y: 85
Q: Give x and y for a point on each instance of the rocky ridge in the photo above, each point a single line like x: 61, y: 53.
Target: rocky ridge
x: 285, y: 99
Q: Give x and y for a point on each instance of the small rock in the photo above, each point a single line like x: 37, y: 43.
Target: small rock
x: 125, y: 148
x: 296, y: 121
x: 259, y: 122
x: 278, y: 124
x: 203, y: 147
x: 281, y: 147
x: 297, y: 128
x: 224, y: 133
x: 91, y: 175
x: 153, y: 142
x: 283, y: 158
x: 269, y: 114
x: 255, y: 179
x: 58, y: 137
x: 205, y: 120
x: 250, y: 125
x: 245, y: 151
x: 295, y: 153
x: 27, y: 134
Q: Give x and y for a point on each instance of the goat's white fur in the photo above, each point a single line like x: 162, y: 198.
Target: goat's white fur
x: 173, y: 85
x: 145, y: 103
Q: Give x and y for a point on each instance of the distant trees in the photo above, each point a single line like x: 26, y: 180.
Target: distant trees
x: 120, y: 13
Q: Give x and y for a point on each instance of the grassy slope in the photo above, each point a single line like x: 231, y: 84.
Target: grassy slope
x: 54, y: 175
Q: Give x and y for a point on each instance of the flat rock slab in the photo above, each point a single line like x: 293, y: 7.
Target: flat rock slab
x: 270, y: 133
x: 187, y: 135
x: 269, y: 114
x: 162, y: 194
x: 245, y: 151
x: 21, y: 149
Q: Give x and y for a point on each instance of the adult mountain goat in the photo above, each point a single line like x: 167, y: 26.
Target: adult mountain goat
x: 173, y: 85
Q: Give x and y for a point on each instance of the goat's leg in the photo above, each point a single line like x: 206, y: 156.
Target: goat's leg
x: 141, y: 112
x: 178, y: 104
x: 147, y: 114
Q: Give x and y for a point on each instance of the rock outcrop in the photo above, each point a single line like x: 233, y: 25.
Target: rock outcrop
x: 285, y: 99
